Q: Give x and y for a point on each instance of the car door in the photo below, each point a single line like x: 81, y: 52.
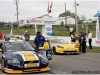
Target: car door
x: 47, y: 52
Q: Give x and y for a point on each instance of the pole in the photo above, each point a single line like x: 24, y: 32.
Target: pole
x: 3, y: 19
x: 76, y: 16
x: 65, y: 15
x: 17, y: 12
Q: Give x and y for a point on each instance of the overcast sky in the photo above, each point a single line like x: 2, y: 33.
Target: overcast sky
x: 36, y: 8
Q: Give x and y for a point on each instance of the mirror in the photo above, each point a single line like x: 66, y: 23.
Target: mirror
x: 41, y: 48
x: 0, y: 50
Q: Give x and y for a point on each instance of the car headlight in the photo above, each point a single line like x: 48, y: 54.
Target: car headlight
x: 44, y: 58
x: 60, y: 46
x: 13, y: 61
x: 76, y: 46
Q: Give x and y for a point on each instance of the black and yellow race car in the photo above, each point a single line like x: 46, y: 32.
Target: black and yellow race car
x: 20, y: 57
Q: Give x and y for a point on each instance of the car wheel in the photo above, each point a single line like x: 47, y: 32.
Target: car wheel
x: 54, y: 50
x: 2, y: 65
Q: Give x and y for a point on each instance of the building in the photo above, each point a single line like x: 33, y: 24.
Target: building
x: 69, y: 20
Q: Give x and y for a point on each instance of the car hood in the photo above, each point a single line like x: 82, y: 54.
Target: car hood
x: 21, y: 55
x: 66, y: 44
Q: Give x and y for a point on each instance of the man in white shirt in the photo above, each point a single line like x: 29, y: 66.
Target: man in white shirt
x: 71, y: 30
x: 90, y: 40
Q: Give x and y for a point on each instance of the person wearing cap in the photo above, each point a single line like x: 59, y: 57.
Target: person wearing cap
x: 73, y: 37
x: 39, y: 40
x: 27, y: 36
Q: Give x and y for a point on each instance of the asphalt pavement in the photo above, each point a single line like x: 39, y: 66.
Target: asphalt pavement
x: 84, y: 63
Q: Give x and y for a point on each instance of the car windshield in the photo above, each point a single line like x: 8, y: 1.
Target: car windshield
x: 59, y: 41
x: 18, y: 46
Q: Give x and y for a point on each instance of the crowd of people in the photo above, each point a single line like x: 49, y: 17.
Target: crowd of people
x: 82, y: 38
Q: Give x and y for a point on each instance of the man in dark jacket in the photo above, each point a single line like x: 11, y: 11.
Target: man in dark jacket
x: 79, y: 39
x: 39, y: 40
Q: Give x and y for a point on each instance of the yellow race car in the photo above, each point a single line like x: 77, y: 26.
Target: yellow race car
x: 62, y: 47
x: 12, y: 38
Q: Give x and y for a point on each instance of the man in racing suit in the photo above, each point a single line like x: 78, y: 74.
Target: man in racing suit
x: 39, y: 40
x: 73, y: 37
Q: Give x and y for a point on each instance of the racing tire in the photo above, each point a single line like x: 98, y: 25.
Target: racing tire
x: 2, y: 65
x: 54, y: 50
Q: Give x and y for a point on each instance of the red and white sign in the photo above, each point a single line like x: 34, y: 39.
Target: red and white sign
x: 37, y: 21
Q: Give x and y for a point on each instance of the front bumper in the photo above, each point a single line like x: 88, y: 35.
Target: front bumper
x: 11, y: 71
x: 68, y: 51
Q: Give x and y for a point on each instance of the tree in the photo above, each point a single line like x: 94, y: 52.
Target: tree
x: 68, y: 13
x: 83, y: 18
x: 2, y: 23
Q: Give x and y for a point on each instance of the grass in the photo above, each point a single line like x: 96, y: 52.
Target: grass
x: 95, y: 49
x: 57, y: 30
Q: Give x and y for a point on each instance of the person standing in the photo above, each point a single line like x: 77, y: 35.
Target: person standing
x: 83, y: 42
x: 73, y: 37
x: 1, y: 36
x: 90, y: 40
x: 39, y: 40
x: 86, y: 38
x: 79, y: 39
x: 27, y: 36
x: 71, y: 30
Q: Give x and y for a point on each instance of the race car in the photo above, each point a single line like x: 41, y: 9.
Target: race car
x: 60, y: 46
x: 21, y: 57
x: 13, y: 38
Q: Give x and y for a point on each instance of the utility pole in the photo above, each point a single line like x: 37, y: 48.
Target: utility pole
x: 3, y: 19
x: 76, y: 16
x: 17, y: 12
x: 65, y: 15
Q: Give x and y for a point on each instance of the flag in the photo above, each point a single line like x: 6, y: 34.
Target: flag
x: 97, y: 33
x: 50, y: 7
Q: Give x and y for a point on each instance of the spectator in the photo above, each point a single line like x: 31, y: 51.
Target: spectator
x: 79, y: 39
x: 82, y: 26
x: 86, y: 38
x: 67, y: 26
x: 90, y: 39
x: 1, y: 36
x: 27, y: 36
x: 71, y: 30
x: 83, y: 42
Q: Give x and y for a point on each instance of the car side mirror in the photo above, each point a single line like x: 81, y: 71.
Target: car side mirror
x: 41, y: 48
x: 0, y: 50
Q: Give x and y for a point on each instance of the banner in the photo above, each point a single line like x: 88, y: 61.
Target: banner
x: 97, y: 33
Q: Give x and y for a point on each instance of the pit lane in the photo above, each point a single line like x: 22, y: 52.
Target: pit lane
x: 66, y: 64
